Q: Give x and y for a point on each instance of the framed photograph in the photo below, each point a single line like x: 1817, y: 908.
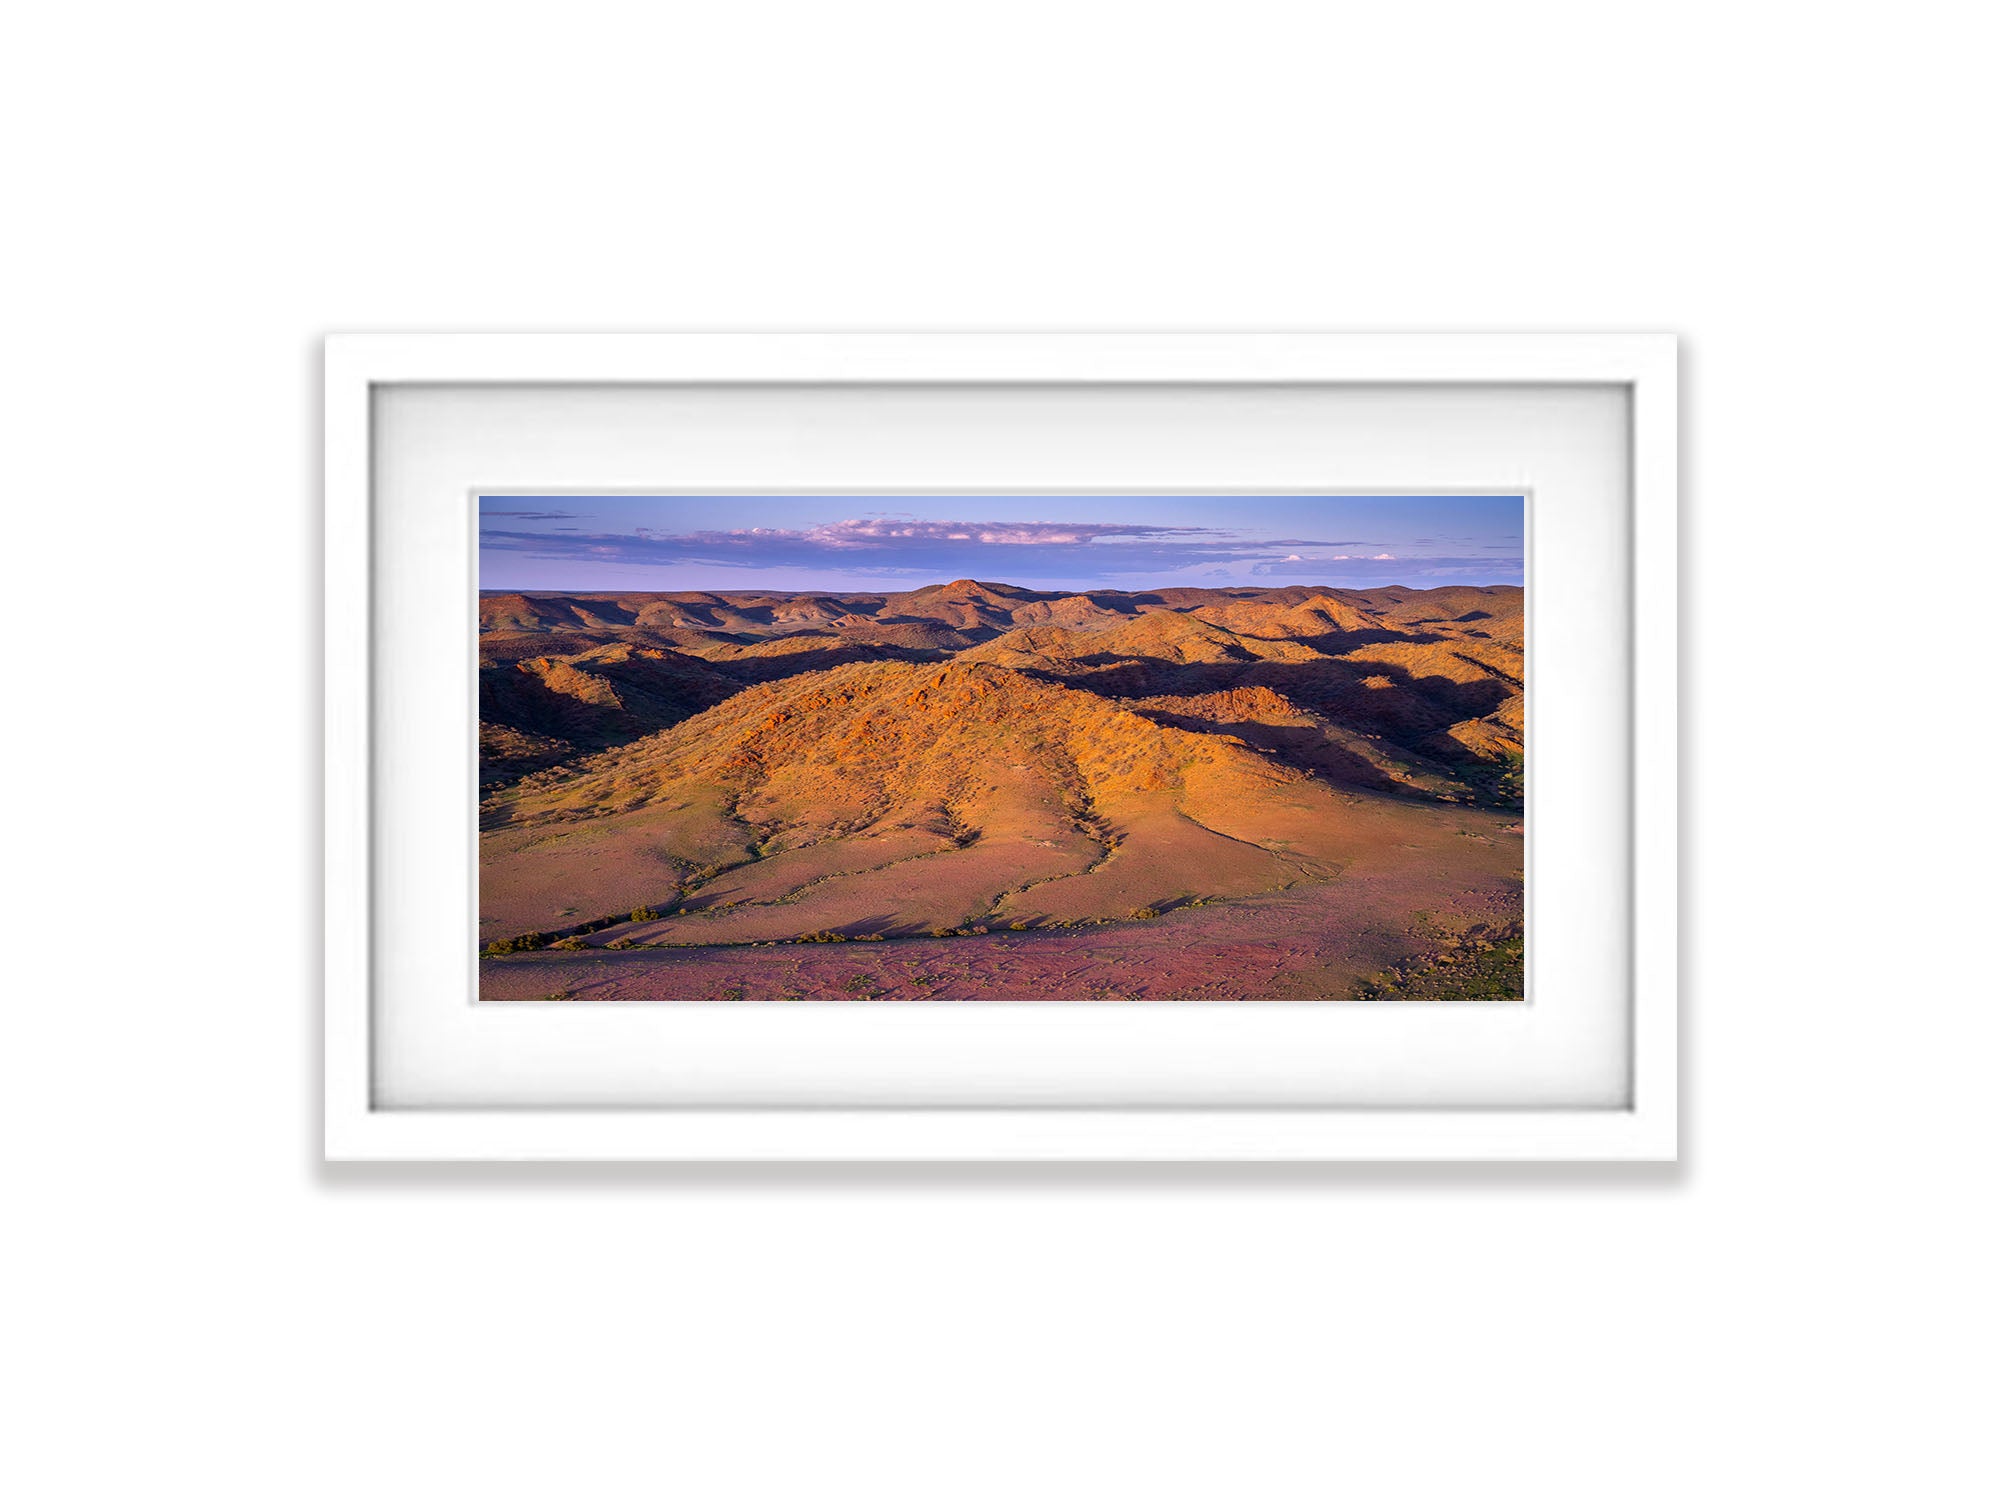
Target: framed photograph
x: 1106, y: 747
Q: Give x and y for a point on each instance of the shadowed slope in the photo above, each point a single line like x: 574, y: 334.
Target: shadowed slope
x: 1434, y: 677
x: 540, y: 709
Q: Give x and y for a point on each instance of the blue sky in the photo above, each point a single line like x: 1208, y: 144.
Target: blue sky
x: 861, y: 543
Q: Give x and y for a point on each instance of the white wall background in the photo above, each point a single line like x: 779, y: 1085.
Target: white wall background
x: 198, y: 191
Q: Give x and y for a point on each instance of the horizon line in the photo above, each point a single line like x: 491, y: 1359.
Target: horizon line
x: 1245, y: 588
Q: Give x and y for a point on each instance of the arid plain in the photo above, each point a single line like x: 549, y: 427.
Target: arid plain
x: 974, y: 791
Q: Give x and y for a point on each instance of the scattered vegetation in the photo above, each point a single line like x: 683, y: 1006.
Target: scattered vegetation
x: 1484, y: 963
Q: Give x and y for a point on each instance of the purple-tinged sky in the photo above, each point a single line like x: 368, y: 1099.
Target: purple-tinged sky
x: 862, y: 543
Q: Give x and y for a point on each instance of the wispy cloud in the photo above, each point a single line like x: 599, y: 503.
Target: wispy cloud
x: 890, y: 531
x: 1384, y: 568
x: 874, y: 543
x: 878, y: 548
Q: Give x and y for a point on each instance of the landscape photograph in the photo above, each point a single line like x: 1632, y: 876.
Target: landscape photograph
x: 980, y: 747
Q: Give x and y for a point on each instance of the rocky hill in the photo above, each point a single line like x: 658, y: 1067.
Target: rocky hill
x: 971, y: 758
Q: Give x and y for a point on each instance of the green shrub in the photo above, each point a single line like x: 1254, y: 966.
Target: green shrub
x: 645, y: 914
x: 1144, y: 913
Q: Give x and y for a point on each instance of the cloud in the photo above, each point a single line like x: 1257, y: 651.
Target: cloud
x: 537, y: 515
x: 887, y: 546
x: 881, y: 544
x: 880, y: 531
x: 1364, y: 571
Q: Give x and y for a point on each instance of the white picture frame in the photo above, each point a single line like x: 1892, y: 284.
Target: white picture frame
x: 1642, y: 1126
